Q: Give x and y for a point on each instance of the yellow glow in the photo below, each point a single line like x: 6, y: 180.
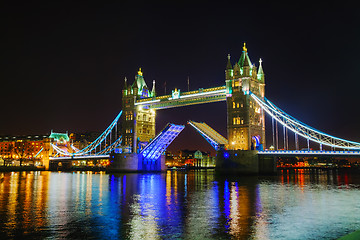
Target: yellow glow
x: 244, y: 47
x: 140, y: 72
x: 168, y: 188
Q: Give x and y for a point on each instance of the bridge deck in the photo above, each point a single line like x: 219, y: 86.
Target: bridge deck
x: 312, y: 153
x: 159, y: 144
x: 212, y: 136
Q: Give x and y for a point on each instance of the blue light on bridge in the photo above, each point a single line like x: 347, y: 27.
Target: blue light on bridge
x: 226, y: 155
x: 158, y: 145
x: 118, y: 150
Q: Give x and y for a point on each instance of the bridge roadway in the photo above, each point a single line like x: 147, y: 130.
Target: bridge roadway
x: 280, y: 153
x: 312, y: 153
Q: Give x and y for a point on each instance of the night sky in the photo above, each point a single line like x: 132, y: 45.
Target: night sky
x: 63, y: 63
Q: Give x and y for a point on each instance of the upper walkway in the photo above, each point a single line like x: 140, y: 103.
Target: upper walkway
x: 178, y: 99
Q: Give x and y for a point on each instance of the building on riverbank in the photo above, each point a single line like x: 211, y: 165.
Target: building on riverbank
x: 25, y: 150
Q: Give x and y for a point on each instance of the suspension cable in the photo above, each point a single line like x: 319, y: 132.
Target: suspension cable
x: 302, y: 129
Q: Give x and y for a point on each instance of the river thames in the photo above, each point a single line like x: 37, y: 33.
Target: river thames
x: 300, y: 204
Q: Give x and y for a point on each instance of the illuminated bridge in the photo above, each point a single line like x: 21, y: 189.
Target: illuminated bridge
x: 136, y: 146
x: 178, y: 99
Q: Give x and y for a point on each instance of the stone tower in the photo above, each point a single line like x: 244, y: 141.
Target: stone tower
x: 138, y: 123
x: 245, y: 118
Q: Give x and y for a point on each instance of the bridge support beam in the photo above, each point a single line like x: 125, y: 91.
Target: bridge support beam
x: 244, y: 162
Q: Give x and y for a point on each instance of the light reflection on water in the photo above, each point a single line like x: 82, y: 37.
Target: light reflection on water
x: 178, y: 205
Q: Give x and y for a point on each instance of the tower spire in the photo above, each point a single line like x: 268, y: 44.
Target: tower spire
x: 244, y: 58
x: 260, y: 74
x: 153, y: 89
x: 228, y: 65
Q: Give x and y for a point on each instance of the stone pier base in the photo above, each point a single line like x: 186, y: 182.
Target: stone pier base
x: 244, y: 162
x: 125, y: 162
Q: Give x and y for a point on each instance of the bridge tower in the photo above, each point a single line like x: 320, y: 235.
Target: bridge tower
x: 138, y: 122
x: 245, y: 118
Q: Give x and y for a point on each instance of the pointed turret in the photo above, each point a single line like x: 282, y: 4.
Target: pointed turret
x: 228, y: 65
x: 139, y: 83
x: 125, y: 83
x: 125, y: 88
x: 229, y: 70
x: 153, y: 93
x: 260, y: 74
x: 244, y: 60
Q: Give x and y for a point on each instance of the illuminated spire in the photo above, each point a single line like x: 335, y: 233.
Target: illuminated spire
x: 260, y: 75
x: 244, y: 60
x: 260, y: 66
x: 153, y: 89
x: 139, y: 82
x: 125, y: 83
x: 228, y: 65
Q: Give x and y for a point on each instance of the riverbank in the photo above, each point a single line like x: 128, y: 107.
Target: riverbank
x: 351, y: 236
x: 33, y: 168
x: 20, y: 169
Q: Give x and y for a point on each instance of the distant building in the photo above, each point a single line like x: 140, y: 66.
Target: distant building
x: 190, y: 158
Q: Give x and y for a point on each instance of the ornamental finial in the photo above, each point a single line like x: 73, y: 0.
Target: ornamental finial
x: 139, y: 72
x: 244, y: 47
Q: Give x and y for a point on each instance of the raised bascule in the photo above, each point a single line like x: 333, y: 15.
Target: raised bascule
x: 136, y: 147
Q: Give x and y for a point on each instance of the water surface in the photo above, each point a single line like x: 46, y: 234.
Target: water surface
x: 179, y: 205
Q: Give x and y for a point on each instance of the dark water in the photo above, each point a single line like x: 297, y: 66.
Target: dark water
x: 178, y: 205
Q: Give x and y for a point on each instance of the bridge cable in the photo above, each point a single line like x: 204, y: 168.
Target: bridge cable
x: 302, y: 129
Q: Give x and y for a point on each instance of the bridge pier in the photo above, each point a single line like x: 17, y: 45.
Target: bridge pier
x: 133, y: 162
x: 244, y: 162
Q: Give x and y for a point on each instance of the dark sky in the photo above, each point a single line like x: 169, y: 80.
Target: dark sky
x: 63, y: 63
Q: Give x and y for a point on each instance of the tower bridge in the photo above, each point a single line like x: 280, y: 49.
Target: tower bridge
x: 134, y: 146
